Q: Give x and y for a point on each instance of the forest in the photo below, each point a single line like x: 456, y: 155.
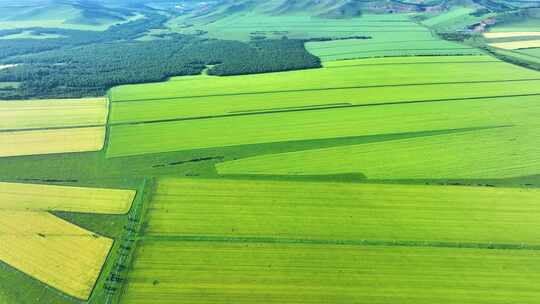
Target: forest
x: 87, y: 63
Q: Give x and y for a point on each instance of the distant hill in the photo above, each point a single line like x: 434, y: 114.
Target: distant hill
x: 323, y: 8
x: 57, y: 12
x: 216, y: 9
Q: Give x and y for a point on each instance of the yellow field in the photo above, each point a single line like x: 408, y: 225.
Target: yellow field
x: 53, y: 251
x: 53, y: 113
x: 510, y: 34
x: 23, y: 197
x: 514, y: 45
x: 51, y: 141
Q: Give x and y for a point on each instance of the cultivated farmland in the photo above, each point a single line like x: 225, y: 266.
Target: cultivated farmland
x: 36, y: 127
x: 35, y: 114
x: 53, y: 251
x: 397, y: 167
x: 337, y: 101
x: 49, y: 249
x: 504, y: 152
x: 241, y: 26
x: 297, y: 273
x: 60, y: 198
x: 257, y: 236
x: 495, y: 35
x: 332, y: 212
x: 517, y: 44
x: 51, y: 141
x: 458, y: 18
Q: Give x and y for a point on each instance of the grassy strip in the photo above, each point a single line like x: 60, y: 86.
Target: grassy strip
x: 386, y: 243
x: 49, y: 128
x: 408, y: 63
x: 125, y: 248
x: 332, y: 88
x: 393, y: 50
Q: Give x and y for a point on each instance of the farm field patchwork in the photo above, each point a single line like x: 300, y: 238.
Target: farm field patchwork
x: 332, y: 212
x: 291, y: 241
x: 33, y: 127
x: 237, y: 105
x: 389, y: 35
x: 322, y: 99
x: 301, y: 26
x: 351, y: 73
x: 527, y: 56
x: 319, y: 124
x: 492, y: 153
x: 48, y: 248
x: 51, y: 141
x: 388, y: 46
x: 458, y: 18
x: 406, y: 169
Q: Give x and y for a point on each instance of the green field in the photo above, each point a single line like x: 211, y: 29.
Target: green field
x: 531, y: 52
x: 527, y: 25
x: 391, y: 35
x: 170, y: 271
x: 386, y: 46
x: 458, y: 18
x: 405, y: 170
x: 338, y: 85
x: 293, y: 241
x: 388, y: 38
x: 337, y: 101
x: 350, y: 73
x: 493, y: 153
x: 333, y: 212
x: 246, y: 25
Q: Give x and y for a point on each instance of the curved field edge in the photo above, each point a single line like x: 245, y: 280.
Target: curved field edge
x: 103, y: 224
x: 490, y: 153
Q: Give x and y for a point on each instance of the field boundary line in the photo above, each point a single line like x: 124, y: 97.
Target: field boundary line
x: 331, y: 89
x: 50, y: 128
x: 392, y: 50
x: 386, y: 243
x: 107, y: 121
x: 372, y: 43
x: 409, y: 63
x: 128, y: 243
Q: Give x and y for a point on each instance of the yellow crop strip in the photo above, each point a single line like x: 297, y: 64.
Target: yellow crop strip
x: 510, y: 34
x: 37, y: 142
x: 514, y: 45
x: 53, y: 113
x: 53, y: 251
x: 60, y: 198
